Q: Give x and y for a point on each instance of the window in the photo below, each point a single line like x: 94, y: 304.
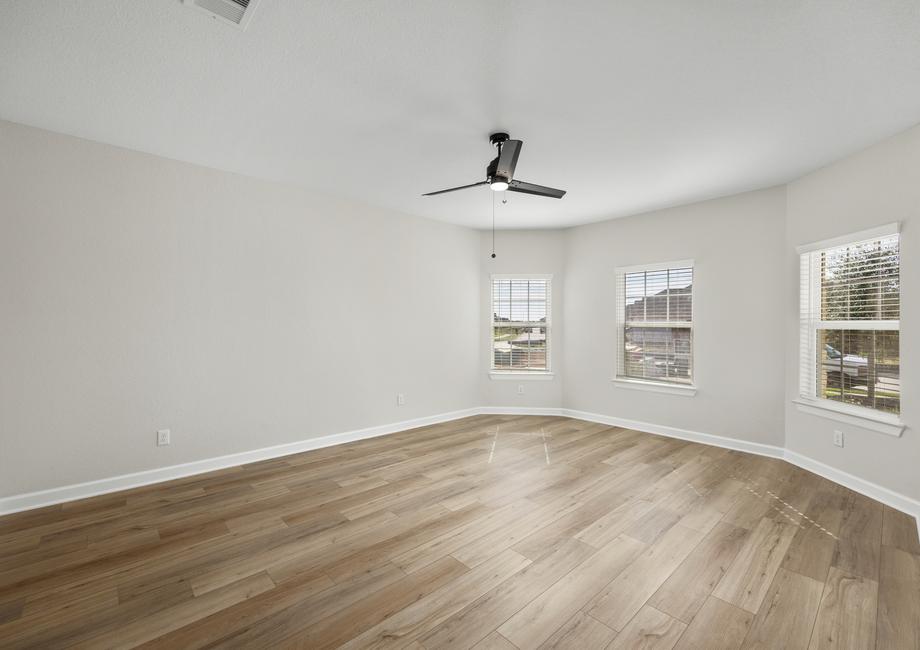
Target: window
x: 521, y: 324
x: 655, y: 323
x: 850, y: 310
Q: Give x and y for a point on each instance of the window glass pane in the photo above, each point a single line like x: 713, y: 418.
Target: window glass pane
x: 501, y: 299
x: 519, y: 348
x: 519, y: 291
x: 535, y: 343
x: 656, y: 295
x: 519, y: 311
x: 537, y: 300
x: 538, y: 290
x: 659, y: 295
x: 658, y: 353
x: 861, y: 281
x: 501, y: 346
x: 518, y: 304
x: 520, y: 300
x: 860, y: 367
x: 680, y: 285
x: 634, y: 291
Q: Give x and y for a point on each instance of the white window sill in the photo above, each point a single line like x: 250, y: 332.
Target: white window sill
x: 515, y: 376
x: 865, y: 418
x: 655, y: 386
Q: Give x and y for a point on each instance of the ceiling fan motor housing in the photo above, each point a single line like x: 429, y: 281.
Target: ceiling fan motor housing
x: 497, y: 138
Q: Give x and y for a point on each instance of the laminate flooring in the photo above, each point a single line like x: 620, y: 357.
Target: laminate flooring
x: 486, y: 532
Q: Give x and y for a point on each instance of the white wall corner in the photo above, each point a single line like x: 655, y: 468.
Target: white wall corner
x: 520, y: 410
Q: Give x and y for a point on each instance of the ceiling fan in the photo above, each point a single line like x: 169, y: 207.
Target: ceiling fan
x: 500, y: 172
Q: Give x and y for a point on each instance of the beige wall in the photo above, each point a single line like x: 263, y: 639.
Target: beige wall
x: 877, y: 186
x: 738, y: 300
x: 138, y: 293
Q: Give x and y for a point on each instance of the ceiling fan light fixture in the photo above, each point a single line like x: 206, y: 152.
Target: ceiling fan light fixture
x: 500, y: 172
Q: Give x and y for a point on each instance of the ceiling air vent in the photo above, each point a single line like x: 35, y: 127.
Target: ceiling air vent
x: 234, y: 12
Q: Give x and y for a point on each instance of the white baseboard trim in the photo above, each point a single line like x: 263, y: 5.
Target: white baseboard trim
x: 867, y: 488
x: 519, y: 410
x: 18, y: 503
x: 683, y: 434
x: 31, y: 500
x: 881, y: 494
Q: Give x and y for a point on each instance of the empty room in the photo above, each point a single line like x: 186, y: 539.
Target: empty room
x: 460, y: 325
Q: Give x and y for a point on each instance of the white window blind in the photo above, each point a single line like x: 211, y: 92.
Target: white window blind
x: 850, y: 310
x: 655, y: 323
x: 521, y: 312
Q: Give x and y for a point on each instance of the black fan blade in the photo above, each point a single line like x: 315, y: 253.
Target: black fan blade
x: 454, y: 189
x: 507, y: 159
x: 539, y: 190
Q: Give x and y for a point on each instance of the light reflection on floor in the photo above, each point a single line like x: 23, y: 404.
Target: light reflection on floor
x: 752, y: 487
x: 541, y: 434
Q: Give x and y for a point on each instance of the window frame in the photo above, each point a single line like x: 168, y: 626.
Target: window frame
x: 619, y: 378
x: 504, y: 373
x: 807, y: 399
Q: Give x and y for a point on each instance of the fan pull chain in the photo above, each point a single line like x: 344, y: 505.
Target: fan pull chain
x: 493, y: 225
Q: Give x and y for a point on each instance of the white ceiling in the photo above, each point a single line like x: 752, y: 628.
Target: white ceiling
x: 628, y: 105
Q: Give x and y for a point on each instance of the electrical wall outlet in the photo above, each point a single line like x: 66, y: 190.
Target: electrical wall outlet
x: 400, y: 399
x: 838, y: 438
x: 520, y: 389
x: 162, y: 437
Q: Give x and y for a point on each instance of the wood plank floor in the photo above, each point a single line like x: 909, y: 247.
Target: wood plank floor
x: 487, y: 532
